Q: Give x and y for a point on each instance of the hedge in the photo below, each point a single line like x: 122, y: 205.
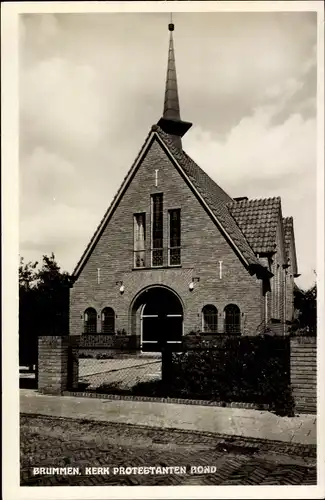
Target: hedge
x: 235, y: 369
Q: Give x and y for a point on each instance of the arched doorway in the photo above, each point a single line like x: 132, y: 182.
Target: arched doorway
x: 158, y: 318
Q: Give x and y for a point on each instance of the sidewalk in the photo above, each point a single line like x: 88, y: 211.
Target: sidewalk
x: 232, y: 421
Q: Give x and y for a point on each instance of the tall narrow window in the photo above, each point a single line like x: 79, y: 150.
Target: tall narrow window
x: 210, y: 319
x: 90, y: 320
x: 157, y: 230
x: 139, y: 240
x: 232, y: 319
x: 174, y: 250
x: 108, y: 320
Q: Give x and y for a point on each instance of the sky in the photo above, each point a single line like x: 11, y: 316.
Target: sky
x: 91, y: 85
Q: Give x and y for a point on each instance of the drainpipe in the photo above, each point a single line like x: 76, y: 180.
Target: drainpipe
x: 266, y: 308
x: 285, y: 302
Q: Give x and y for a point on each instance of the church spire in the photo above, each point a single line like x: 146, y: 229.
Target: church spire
x: 171, y: 121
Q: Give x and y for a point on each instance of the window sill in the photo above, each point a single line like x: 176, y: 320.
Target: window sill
x: 152, y: 268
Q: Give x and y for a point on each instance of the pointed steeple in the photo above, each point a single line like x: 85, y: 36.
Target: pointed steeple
x: 171, y: 121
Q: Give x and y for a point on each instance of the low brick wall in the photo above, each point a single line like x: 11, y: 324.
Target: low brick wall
x: 99, y: 341
x: 303, y: 373
x: 58, y: 360
x: 209, y: 341
x: 53, y: 364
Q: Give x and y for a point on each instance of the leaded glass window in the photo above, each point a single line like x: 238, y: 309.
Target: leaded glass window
x: 210, y: 319
x: 108, y: 320
x: 90, y: 320
x: 174, y: 257
x: 157, y: 230
x: 232, y: 319
x: 140, y: 240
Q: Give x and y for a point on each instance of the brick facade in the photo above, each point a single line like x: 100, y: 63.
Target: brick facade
x: 203, y: 246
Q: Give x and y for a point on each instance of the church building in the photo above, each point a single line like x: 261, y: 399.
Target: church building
x: 175, y: 254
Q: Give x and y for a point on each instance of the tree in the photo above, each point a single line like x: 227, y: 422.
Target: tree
x: 27, y: 274
x: 43, y: 304
x: 27, y: 296
x: 50, y: 277
x: 52, y: 298
x: 305, y: 303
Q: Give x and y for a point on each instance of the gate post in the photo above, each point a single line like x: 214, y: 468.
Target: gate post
x: 73, y: 363
x: 53, y: 364
x: 303, y: 373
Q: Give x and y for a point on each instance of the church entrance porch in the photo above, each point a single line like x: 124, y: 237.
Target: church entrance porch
x: 157, y: 318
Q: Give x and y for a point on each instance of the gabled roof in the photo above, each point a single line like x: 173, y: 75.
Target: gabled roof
x: 288, y: 240
x: 210, y: 194
x: 258, y: 220
x: 214, y: 196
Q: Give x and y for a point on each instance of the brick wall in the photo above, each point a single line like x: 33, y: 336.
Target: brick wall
x: 123, y: 342
x: 53, y: 364
x: 303, y: 373
x: 202, y: 247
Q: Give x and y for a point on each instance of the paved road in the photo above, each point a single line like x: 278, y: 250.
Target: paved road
x: 59, y: 442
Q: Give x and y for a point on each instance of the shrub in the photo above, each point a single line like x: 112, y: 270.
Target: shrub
x: 242, y: 369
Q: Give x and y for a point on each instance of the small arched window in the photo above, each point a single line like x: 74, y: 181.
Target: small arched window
x: 232, y: 319
x: 210, y: 319
x: 90, y: 320
x: 108, y: 320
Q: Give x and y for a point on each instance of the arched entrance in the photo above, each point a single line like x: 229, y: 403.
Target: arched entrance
x: 157, y: 316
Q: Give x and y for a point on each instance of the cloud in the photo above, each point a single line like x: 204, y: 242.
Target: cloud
x: 61, y: 86
x: 47, y: 173
x: 92, y: 85
x: 260, y: 158
x: 255, y: 149
x: 59, y: 228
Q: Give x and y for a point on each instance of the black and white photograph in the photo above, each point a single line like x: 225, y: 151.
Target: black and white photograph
x: 167, y: 292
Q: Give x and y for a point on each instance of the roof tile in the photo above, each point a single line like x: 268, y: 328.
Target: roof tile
x: 258, y: 220
x: 215, y: 197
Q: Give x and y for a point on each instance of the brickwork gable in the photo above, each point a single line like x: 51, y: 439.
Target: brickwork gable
x: 205, y: 188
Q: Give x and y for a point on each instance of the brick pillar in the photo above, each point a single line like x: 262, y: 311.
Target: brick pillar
x: 303, y: 365
x: 73, y: 362
x: 53, y: 364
